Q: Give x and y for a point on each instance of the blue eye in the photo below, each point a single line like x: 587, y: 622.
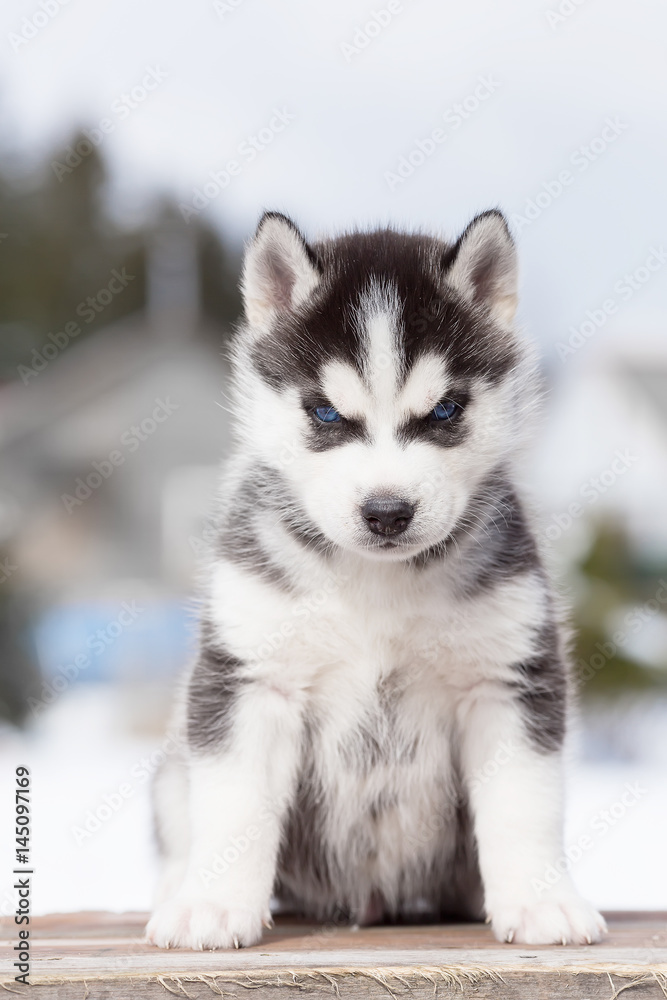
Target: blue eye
x: 327, y: 414
x: 445, y: 410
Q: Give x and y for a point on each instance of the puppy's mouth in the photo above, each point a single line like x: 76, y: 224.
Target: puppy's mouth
x: 403, y: 543
x: 378, y: 542
x: 406, y: 545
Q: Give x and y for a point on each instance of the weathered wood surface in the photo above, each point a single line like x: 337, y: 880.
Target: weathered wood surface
x: 100, y: 955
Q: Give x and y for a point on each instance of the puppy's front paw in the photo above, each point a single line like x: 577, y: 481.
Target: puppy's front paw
x: 201, y: 923
x: 565, y: 921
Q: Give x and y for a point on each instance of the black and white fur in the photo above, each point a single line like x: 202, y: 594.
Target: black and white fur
x: 374, y: 725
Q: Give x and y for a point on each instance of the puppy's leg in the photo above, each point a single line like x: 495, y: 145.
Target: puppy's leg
x: 240, y: 790
x: 516, y: 795
x: 171, y: 823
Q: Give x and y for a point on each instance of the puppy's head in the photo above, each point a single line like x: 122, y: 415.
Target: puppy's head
x: 381, y: 373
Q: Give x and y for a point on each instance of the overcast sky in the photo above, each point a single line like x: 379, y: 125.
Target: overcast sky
x: 519, y: 91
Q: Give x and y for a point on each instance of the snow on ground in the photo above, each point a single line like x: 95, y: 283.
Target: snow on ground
x: 77, y: 756
x: 92, y: 844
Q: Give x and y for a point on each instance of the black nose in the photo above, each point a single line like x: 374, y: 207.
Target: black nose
x: 387, y: 515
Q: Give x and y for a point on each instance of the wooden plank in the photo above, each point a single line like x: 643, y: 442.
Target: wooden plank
x: 100, y: 955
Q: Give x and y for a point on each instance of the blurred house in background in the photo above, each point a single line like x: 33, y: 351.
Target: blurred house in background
x: 109, y: 449
x: 146, y: 390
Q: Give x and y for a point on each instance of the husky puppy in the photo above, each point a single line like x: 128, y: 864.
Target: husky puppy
x: 373, y: 727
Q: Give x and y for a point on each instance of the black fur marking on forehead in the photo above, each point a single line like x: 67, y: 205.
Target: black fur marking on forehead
x: 434, y: 319
x: 471, y: 346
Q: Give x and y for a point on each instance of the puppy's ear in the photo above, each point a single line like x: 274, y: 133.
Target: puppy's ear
x: 280, y: 271
x: 482, y: 266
